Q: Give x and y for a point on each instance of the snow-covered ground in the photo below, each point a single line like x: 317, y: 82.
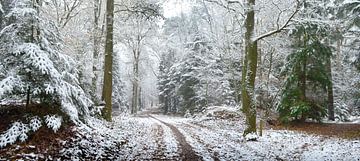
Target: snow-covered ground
x: 150, y: 136
x: 222, y: 139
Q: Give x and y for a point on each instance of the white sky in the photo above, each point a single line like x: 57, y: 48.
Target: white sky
x: 174, y: 8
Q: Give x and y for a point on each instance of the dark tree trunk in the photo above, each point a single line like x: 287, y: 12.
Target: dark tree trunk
x: 330, y: 100
x: 107, y: 86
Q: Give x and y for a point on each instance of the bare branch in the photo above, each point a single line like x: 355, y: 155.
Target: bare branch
x: 270, y: 33
x: 229, y: 2
x: 145, y: 11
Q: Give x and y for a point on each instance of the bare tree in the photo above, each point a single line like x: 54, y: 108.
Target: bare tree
x: 66, y: 10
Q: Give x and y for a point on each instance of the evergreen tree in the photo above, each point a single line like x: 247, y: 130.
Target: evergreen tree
x: 348, y: 14
x: 32, y: 65
x: 118, y: 96
x: 306, y: 68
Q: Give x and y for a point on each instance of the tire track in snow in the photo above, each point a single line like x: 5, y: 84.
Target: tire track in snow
x: 187, y: 153
x: 158, y: 135
x: 207, y: 147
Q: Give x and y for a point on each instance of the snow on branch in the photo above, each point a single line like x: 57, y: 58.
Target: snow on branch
x: 279, y: 29
x: 1, y: 9
x: 53, y: 122
x: 146, y: 10
x: 8, y: 84
x: 20, y: 131
x: 227, y: 6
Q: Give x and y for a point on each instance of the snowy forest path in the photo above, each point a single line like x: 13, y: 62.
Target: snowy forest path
x: 187, y: 153
x: 185, y: 150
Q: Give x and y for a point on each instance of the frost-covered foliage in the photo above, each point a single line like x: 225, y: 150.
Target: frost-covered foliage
x: 330, y: 21
x: 308, y: 76
x: 17, y: 131
x: 53, y: 122
x: 20, y: 131
x: 35, y: 124
x: 119, y: 95
x: 32, y: 62
x: 1, y: 9
x: 347, y: 91
x: 196, y: 81
x: 342, y: 17
x: 193, y: 73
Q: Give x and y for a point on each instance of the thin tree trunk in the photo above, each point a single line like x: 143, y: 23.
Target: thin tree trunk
x: 140, y: 100
x: 107, y: 86
x: 338, y: 53
x: 330, y: 100
x: 249, y: 71
x: 96, y: 48
x: 134, y: 104
x: 28, y: 97
x: 269, y: 106
x: 302, y: 81
x: 1, y: 16
x: 135, y: 99
x: 33, y: 39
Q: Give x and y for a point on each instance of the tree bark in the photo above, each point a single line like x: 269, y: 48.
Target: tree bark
x: 96, y: 49
x: 330, y: 100
x: 134, y: 104
x: 140, y: 99
x: 249, y: 71
x: 107, y: 86
x: 302, y: 71
x: 1, y: 16
x: 135, y: 96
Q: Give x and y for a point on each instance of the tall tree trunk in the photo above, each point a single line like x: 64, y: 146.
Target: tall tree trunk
x: 249, y: 71
x: 33, y: 39
x: 96, y: 49
x: 107, y: 86
x: 141, y: 105
x: 134, y: 103
x: 302, y: 81
x: 330, y: 100
x: 338, y: 49
x: 302, y: 70
x: 1, y: 16
x: 135, y: 96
